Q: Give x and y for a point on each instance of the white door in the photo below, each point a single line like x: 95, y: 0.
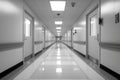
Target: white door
x: 28, y: 25
x: 93, y: 36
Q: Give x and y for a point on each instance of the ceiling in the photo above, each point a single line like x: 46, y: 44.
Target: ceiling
x: 69, y: 16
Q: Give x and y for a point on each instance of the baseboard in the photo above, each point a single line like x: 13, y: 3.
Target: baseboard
x: 49, y: 46
x: 28, y: 57
x: 38, y: 52
x: 75, y: 50
x: 110, y: 71
x: 4, y: 73
x: 44, y: 49
x: 96, y: 61
x: 79, y: 53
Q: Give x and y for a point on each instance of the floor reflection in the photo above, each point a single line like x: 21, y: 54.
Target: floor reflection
x: 59, y: 65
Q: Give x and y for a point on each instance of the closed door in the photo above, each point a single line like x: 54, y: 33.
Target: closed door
x: 93, y: 36
x: 28, y: 24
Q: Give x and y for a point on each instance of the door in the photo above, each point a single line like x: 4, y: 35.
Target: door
x: 28, y: 26
x: 93, y: 36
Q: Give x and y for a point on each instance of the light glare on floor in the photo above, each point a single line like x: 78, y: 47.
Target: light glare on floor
x: 58, y: 51
x: 58, y: 57
x: 43, y: 69
x: 57, y: 5
x: 58, y: 70
x: 58, y: 62
x: 58, y: 46
x: 43, y: 63
x: 58, y: 54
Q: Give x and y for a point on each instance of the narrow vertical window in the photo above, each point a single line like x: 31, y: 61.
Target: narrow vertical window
x: 93, y: 25
x: 27, y: 27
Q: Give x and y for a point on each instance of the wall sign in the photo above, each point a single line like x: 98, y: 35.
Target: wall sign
x: 117, y: 18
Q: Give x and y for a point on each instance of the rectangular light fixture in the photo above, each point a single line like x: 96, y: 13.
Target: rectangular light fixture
x: 58, y: 31
x: 58, y: 22
x: 57, y: 5
x: 78, y: 28
x: 58, y: 34
x: 58, y: 27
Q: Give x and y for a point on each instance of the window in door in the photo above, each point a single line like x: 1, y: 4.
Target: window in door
x: 27, y: 27
x: 93, y: 25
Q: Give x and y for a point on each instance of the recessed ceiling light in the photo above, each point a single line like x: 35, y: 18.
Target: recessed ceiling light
x: 78, y: 28
x: 58, y: 57
x: 57, y: 5
x: 58, y: 27
x: 58, y: 31
x: 58, y: 35
x: 58, y: 22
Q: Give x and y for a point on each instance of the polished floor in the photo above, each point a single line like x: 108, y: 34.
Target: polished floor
x: 58, y: 63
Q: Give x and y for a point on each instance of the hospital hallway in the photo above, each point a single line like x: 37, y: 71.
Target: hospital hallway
x: 59, y: 63
x: 59, y: 39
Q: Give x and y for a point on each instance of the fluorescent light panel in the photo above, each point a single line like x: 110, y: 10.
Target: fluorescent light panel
x: 58, y: 31
x: 58, y: 27
x: 78, y: 28
x: 58, y: 34
x: 57, y: 5
x: 58, y: 22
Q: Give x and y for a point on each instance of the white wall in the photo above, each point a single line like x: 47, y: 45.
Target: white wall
x: 110, y: 29
x: 11, y: 21
x: 67, y: 38
x: 38, y: 37
x: 110, y: 33
x: 80, y: 36
x: 38, y: 34
x: 49, y: 38
x: 10, y: 58
x: 11, y: 31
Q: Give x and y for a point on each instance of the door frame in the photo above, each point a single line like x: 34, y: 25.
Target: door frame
x: 26, y: 12
x: 44, y: 46
x: 87, y: 34
x: 72, y: 38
